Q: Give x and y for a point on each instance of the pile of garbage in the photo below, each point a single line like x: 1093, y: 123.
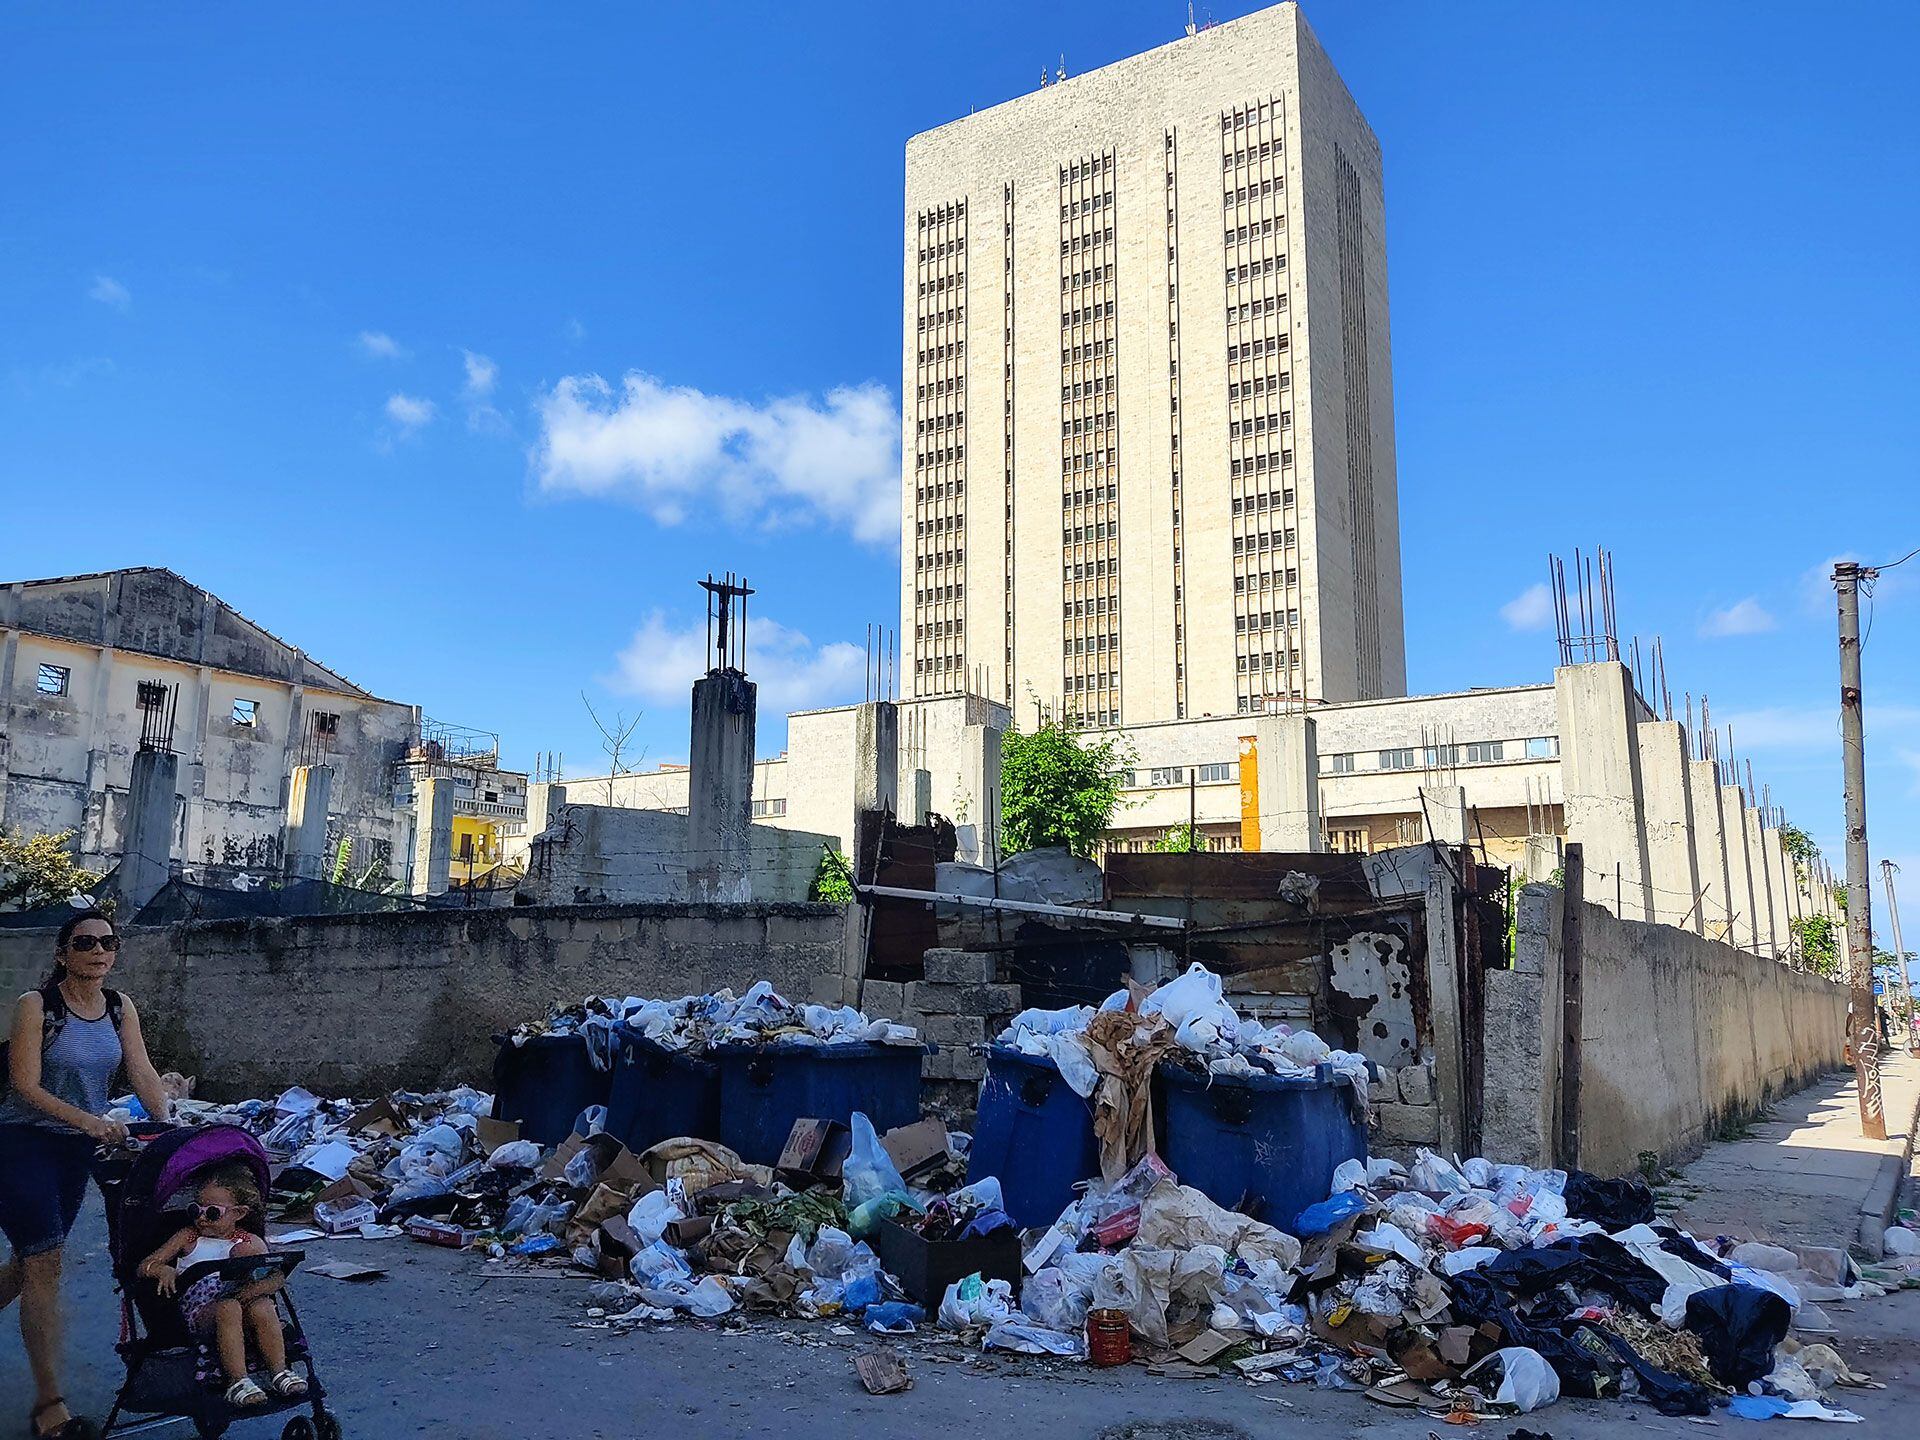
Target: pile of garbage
x: 1202, y: 1030
x: 1460, y: 1288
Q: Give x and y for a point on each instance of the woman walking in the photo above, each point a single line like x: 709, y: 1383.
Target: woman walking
x: 68, y: 1040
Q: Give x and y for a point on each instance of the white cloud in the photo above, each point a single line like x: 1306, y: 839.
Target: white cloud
x: 409, y: 412
x: 109, y: 291
x: 663, y: 660
x: 674, y: 449
x: 1531, y: 609
x: 1743, y: 617
x: 481, y: 373
x: 378, y: 345
x: 573, y: 332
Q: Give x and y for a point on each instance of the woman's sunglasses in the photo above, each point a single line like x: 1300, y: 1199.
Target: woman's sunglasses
x: 83, y: 944
x: 212, y: 1214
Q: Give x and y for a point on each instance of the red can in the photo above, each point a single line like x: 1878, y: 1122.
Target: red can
x: 1109, y: 1338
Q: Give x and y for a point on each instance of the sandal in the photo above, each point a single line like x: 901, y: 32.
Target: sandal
x: 244, y: 1394
x: 287, y: 1385
x: 74, y: 1427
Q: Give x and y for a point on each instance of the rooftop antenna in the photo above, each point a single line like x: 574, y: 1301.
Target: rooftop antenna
x: 1061, y: 73
x: 1192, y: 29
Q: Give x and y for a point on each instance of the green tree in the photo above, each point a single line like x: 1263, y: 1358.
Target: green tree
x: 1797, y: 843
x: 1818, y: 944
x: 832, y: 884
x: 40, y: 869
x: 1057, y: 789
x: 1180, y: 840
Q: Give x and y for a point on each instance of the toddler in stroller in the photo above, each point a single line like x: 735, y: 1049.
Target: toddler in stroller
x: 191, y: 1280
x: 212, y: 1305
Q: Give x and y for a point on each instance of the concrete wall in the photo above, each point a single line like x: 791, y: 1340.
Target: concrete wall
x: 1679, y: 1035
x: 355, y: 1004
x: 593, y: 854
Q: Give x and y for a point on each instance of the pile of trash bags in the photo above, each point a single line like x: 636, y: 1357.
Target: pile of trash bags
x: 694, y: 1023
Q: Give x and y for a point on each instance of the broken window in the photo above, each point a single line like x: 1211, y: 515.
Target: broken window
x: 152, y: 695
x: 325, y: 722
x: 246, y: 712
x: 53, y: 680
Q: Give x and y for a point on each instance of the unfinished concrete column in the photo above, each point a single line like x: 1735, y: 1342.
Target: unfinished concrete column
x: 980, y: 777
x: 146, y: 858
x: 876, y: 756
x: 1540, y: 859
x: 1667, y: 812
x: 1600, y: 768
x: 1710, y: 852
x: 433, y: 803
x: 1766, y: 928
x: 1287, y: 782
x: 304, y: 840
x: 544, y: 800
x: 1733, y: 812
x: 1444, y: 813
x: 919, y: 796
x: 1780, y: 877
x: 720, y: 803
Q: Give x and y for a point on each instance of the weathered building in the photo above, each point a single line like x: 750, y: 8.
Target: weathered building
x: 88, y: 663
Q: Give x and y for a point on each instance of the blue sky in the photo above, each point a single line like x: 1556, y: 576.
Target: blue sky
x: 327, y: 308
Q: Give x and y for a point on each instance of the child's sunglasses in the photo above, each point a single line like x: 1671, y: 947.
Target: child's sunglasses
x: 82, y: 944
x: 212, y: 1214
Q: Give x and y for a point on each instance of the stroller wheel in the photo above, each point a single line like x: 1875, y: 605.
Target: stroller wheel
x: 326, y: 1426
x: 298, y: 1428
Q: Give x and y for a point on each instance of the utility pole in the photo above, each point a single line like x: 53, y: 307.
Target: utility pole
x: 1887, y: 868
x: 1866, y: 1034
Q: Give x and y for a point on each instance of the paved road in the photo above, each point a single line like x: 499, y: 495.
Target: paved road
x: 448, y: 1346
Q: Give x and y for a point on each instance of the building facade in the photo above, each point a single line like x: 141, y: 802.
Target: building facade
x: 1148, y: 423
x: 91, y: 664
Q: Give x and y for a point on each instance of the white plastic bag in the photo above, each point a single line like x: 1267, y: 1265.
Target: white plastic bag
x: 1053, y: 1300
x: 869, y: 1171
x: 651, y: 1214
x: 1527, y: 1381
x: 1032, y: 1340
x: 1193, y: 996
x: 971, y: 1302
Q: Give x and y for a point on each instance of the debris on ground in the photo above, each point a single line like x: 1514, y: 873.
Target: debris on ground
x: 1465, y: 1289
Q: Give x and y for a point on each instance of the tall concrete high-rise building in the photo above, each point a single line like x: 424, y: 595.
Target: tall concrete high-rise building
x: 1149, y: 456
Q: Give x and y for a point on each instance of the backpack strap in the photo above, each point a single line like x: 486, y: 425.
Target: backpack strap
x: 55, y: 1019
x: 116, y: 1004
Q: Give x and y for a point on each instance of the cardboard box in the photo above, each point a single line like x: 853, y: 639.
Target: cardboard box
x: 440, y: 1232
x: 490, y: 1134
x: 815, y: 1150
x: 378, y: 1118
x: 916, y: 1148
x: 341, y: 1217
x: 684, y: 1234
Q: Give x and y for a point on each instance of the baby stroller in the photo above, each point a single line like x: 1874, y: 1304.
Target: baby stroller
x: 147, y: 1187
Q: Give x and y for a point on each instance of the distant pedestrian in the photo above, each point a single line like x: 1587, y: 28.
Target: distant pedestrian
x: 68, y: 1040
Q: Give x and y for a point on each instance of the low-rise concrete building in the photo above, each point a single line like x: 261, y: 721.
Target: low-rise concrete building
x: 91, y: 663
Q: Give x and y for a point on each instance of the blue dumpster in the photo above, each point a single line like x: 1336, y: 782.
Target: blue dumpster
x: 1034, y: 1134
x: 545, y: 1083
x: 765, y: 1088
x: 660, y: 1094
x: 1263, y: 1144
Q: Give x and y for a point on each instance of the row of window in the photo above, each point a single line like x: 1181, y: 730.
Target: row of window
x: 1096, y: 605
x: 1087, y: 314
x: 937, y: 558
x: 1088, y: 534
x: 1266, y: 580
x: 1102, y: 201
x: 1078, y: 354
x: 56, y: 680
x: 1475, y: 752
x: 1177, y: 775
x: 1241, y: 195
x: 1260, y: 424
x: 1085, y: 388
x: 1266, y: 620
x: 1271, y: 345
x: 1268, y: 660
x: 1231, y: 158
x: 1265, y: 500
x: 1089, y: 424
x: 940, y: 251
x: 952, y: 315
x: 938, y: 354
x: 1098, y: 274
x: 763, y: 808
x: 952, y: 420
x: 938, y: 525
x: 1269, y: 703
x: 1255, y: 309
x: 1086, y: 240
x: 940, y: 595
x: 1252, y: 115
x: 955, y: 281
x: 1090, y: 570
x: 1259, y: 385
x: 1264, y: 540
x: 1254, y: 270
x: 1092, y: 644
x: 1105, y: 680
x: 941, y: 214
x: 946, y: 489
x: 953, y: 384
x: 922, y: 459
x: 1086, y: 169
x: 1259, y: 464
x: 1252, y: 230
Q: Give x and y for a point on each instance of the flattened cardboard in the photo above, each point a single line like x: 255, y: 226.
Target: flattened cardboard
x: 917, y: 1147
x: 490, y: 1134
x: 378, y: 1117
x: 682, y: 1234
x: 1205, y: 1346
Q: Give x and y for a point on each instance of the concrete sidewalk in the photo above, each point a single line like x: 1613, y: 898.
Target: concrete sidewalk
x: 1804, y: 1174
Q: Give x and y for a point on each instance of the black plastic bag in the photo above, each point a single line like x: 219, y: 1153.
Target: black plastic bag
x: 1614, y: 1204
x: 1738, y: 1326
x: 1587, y: 1262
